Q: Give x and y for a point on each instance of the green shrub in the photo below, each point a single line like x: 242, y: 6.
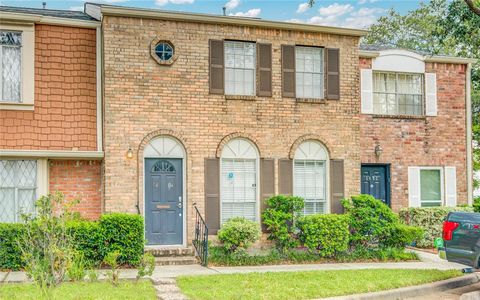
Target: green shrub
x: 93, y: 239
x: 279, y: 218
x: 326, y: 235
x: 371, y: 221
x: 10, y: 254
x: 430, y: 219
x: 238, y: 233
x: 123, y: 233
x: 403, y: 235
x: 89, y: 239
x: 476, y: 204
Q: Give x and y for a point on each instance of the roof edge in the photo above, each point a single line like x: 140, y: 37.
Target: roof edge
x: 14, y: 17
x: 228, y: 20
x: 427, y: 58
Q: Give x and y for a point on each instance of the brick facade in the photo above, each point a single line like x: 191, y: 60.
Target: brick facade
x: 422, y: 141
x: 78, y: 180
x: 144, y: 100
x: 64, y: 115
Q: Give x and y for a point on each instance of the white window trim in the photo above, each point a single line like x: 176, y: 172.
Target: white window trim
x: 257, y: 178
x: 326, y: 160
x: 254, y: 68
x: 322, y: 73
x: 28, y: 71
x: 42, y: 184
x: 442, y: 183
x: 423, y: 94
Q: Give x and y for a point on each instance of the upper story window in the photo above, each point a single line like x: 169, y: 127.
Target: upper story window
x: 10, y: 66
x: 309, y: 72
x: 240, y: 64
x: 164, y: 51
x: 397, y: 93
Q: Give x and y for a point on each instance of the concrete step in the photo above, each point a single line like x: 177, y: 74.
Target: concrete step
x: 175, y: 260
x: 171, y: 252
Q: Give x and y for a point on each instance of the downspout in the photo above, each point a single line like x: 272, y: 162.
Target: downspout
x: 100, y: 104
x: 469, y: 135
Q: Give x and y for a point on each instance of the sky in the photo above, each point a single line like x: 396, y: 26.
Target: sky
x: 344, y: 13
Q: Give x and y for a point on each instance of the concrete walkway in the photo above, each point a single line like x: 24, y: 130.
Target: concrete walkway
x: 428, y: 261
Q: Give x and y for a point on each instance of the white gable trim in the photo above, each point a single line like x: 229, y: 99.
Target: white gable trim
x: 399, y: 61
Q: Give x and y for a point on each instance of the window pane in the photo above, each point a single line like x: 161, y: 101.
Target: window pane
x: 239, y: 68
x: 309, y: 183
x: 430, y: 185
x: 309, y: 72
x: 18, y: 179
x: 11, y: 79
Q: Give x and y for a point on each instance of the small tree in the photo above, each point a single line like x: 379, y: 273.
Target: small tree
x: 46, y: 247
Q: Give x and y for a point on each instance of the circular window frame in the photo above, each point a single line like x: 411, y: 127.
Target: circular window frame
x: 154, y: 55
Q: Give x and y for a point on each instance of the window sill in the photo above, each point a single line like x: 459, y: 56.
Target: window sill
x: 398, y: 117
x: 240, y: 97
x: 311, y: 100
x: 16, y: 106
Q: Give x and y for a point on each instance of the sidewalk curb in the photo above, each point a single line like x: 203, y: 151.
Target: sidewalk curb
x: 415, y: 291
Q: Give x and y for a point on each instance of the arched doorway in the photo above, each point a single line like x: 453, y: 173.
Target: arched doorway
x: 164, y: 207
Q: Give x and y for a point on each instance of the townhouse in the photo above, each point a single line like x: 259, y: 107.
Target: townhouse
x: 220, y: 113
x: 50, y: 125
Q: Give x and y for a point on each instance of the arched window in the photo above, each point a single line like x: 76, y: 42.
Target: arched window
x: 238, y: 180
x: 310, y: 176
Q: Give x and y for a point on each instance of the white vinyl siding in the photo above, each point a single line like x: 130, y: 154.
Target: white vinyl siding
x: 309, y: 75
x: 10, y: 66
x: 310, y: 184
x: 18, y: 189
x: 240, y: 61
x: 397, y: 93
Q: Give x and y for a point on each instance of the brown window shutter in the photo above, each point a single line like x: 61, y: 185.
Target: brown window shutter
x: 212, y: 194
x: 333, y: 73
x: 216, y: 67
x: 288, y: 71
x: 337, y: 185
x: 285, y: 177
x: 264, y: 69
x: 267, y: 183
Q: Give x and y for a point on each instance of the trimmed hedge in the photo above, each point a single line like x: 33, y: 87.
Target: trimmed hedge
x: 326, y: 235
x: 10, y: 257
x: 430, y: 219
x: 238, y: 233
x: 94, y: 239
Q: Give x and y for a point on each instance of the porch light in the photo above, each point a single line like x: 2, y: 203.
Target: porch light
x: 378, y: 150
x: 130, y: 153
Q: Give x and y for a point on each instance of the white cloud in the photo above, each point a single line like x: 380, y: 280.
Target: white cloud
x: 251, y: 13
x: 232, y: 4
x: 366, y: 1
x: 335, y: 10
x: 343, y: 15
x: 165, y: 2
x: 303, y: 7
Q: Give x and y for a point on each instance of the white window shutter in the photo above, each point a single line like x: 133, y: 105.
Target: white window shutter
x: 450, y: 187
x: 366, y: 90
x: 430, y: 94
x: 414, y: 187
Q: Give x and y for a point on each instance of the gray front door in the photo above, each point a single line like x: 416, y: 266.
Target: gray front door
x: 163, y: 201
x: 376, y: 182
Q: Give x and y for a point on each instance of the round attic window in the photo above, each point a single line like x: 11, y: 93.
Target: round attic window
x: 164, y: 51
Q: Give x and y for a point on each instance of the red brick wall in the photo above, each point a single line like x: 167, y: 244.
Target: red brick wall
x: 78, y: 179
x: 64, y: 117
x: 426, y: 141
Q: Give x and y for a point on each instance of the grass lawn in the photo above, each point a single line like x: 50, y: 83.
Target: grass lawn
x: 82, y: 290
x: 304, y: 285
